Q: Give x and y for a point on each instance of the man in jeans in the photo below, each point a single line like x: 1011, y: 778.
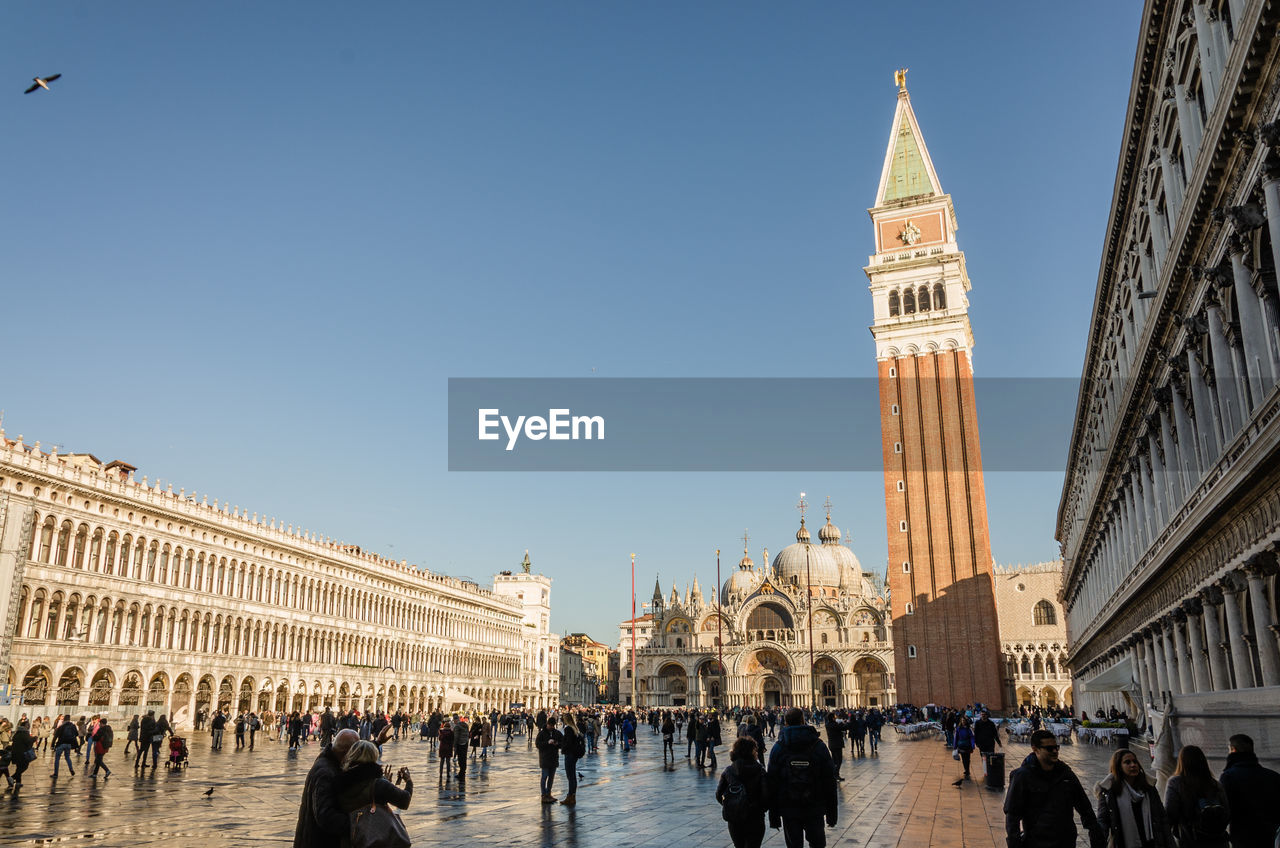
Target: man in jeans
x: 548, y: 742
x: 66, y: 738
x: 216, y: 726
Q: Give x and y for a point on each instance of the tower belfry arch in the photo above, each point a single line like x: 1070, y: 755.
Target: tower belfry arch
x: 946, y: 641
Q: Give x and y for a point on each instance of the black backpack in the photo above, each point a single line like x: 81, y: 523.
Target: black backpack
x: 578, y: 745
x: 1211, y: 821
x: 801, y: 779
x: 736, y: 806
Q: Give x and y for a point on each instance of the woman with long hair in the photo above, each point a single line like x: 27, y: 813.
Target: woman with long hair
x: 1129, y: 808
x: 572, y: 744
x: 1195, y: 803
x: 743, y: 794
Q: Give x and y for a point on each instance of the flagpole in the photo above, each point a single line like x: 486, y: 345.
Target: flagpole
x: 635, y: 705
x: 724, y: 694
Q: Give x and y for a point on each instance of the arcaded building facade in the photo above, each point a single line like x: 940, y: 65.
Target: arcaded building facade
x: 1170, y: 514
x: 122, y: 595
x: 1033, y: 634
x: 764, y: 628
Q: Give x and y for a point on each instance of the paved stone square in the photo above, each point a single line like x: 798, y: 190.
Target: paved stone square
x: 903, y: 797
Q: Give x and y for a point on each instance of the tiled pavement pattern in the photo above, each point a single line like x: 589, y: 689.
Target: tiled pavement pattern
x: 902, y: 797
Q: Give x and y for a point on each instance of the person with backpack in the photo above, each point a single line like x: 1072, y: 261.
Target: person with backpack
x: 548, y: 743
x: 743, y: 794
x: 101, y: 742
x: 361, y: 786
x: 1195, y: 803
x: 66, y: 737
x: 802, y: 783
x: 574, y: 745
x: 1252, y: 796
x: 1129, y: 808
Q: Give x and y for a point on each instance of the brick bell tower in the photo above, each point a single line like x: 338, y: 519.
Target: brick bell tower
x: 946, y: 641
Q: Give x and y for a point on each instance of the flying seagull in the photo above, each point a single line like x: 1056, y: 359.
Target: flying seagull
x: 42, y: 82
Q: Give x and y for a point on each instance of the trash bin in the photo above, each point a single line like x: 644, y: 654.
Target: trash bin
x: 995, y: 771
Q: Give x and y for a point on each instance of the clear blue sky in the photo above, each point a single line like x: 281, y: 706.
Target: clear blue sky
x: 246, y: 244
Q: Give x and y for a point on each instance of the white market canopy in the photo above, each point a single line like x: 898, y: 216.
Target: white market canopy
x: 1118, y: 678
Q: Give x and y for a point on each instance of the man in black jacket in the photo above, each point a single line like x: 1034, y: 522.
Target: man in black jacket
x: 802, y: 784
x: 216, y: 726
x: 1252, y: 793
x: 548, y: 742
x: 66, y: 737
x: 1042, y: 794
x: 986, y: 736
x: 321, y: 822
x: 146, y: 730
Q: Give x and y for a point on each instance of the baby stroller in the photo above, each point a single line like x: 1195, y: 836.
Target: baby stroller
x: 177, y: 752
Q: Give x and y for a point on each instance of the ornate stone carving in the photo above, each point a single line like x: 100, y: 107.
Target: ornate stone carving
x: 1193, y: 606
x: 1243, y: 219
x: 1211, y: 595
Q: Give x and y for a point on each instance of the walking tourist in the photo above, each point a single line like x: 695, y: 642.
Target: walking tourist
x: 1195, y: 803
x: 835, y: 740
x: 66, y: 738
x: 1252, y: 793
x: 461, y: 736
x: 743, y: 793
x: 986, y: 736
x: 103, y: 737
x: 802, y: 783
x: 548, y: 743
x: 963, y: 739
x: 446, y: 751
x: 22, y: 750
x: 1042, y: 794
x: 133, y: 734
x: 1129, y: 808
x: 668, y: 737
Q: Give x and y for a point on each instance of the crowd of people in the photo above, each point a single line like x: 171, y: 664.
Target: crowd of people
x: 783, y: 771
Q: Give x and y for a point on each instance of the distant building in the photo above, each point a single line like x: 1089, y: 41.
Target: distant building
x: 615, y: 670
x: 1033, y: 633
x: 594, y: 654
x: 762, y: 626
x: 641, y: 629
x: 541, y: 666
x: 577, y: 679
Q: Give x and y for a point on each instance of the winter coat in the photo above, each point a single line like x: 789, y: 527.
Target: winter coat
x: 1183, y: 810
x: 801, y: 743
x: 364, y: 784
x: 1038, y: 806
x: 446, y: 741
x: 964, y: 739
x: 752, y: 776
x: 66, y: 734
x: 146, y: 730
x: 133, y: 729
x: 548, y: 744
x: 104, y: 737
x: 1251, y: 791
x: 321, y: 822
x: 835, y: 733
x: 486, y: 735
x: 461, y: 735
x: 1109, y: 799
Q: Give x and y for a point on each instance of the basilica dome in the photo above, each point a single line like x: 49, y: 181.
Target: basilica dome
x: 846, y: 560
x: 790, y: 566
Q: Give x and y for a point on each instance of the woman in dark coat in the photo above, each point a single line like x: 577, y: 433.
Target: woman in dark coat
x: 446, y: 751
x: 22, y: 743
x: 964, y: 741
x: 1129, y: 808
x: 133, y: 734
x: 363, y: 783
x: 1195, y: 803
x: 747, y: 775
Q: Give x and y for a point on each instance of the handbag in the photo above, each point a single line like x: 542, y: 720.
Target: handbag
x: 30, y: 754
x: 955, y: 754
x: 378, y: 826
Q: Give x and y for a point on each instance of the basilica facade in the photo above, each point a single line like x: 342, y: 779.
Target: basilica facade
x: 123, y: 596
x: 813, y: 627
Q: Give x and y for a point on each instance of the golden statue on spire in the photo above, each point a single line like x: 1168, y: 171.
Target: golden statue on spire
x: 900, y: 78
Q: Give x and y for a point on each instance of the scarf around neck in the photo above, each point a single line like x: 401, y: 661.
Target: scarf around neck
x: 1131, y: 801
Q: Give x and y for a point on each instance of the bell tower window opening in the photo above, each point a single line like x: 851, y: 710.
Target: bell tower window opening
x: 894, y: 307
